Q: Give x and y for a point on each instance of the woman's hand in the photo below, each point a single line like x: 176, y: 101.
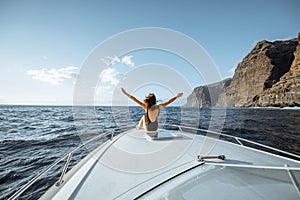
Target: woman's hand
x: 124, y: 91
x: 133, y: 98
x: 179, y: 94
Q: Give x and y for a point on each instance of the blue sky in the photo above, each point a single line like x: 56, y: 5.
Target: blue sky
x: 44, y: 43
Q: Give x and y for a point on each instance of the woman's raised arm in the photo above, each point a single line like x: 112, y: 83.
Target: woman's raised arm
x: 170, y: 100
x: 133, y: 98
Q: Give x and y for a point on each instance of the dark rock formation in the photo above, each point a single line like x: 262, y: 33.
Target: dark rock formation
x: 268, y: 76
x: 285, y: 92
x: 208, y: 95
x: 260, y: 69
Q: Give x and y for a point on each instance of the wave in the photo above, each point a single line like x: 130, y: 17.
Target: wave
x: 67, y: 119
x: 33, y: 137
x: 275, y: 108
x: 291, y: 108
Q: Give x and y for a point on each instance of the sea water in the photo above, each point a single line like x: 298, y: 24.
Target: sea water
x: 33, y: 137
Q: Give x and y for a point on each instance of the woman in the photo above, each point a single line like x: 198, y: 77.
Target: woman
x: 149, y: 120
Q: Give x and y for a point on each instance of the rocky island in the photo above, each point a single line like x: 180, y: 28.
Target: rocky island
x: 268, y: 76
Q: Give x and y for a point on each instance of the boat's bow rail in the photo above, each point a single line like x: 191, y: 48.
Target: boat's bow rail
x: 292, y: 171
x: 110, y: 135
x: 67, y: 157
x: 237, y: 140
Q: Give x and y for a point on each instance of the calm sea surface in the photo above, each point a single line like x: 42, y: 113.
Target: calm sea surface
x: 33, y: 137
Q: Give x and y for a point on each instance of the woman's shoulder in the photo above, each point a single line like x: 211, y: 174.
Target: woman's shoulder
x: 160, y: 106
x: 154, y: 107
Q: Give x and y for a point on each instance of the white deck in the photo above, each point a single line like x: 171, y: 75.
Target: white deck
x: 132, y: 163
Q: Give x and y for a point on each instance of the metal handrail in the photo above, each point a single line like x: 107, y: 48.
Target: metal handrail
x: 61, y: 180
x: 69, y: 155
x: 248, y: 166
x: 238, y: 139
x: 32, y: 181
x: 293, y: 179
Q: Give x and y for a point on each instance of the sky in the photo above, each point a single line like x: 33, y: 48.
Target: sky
x: 44, y: 44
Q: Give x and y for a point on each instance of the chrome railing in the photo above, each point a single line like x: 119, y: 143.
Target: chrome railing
x: 237, y: 139
x: 61, y: 179
x: 59, y: 160
x: 112, y: 134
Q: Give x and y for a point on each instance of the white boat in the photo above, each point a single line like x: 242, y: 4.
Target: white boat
x: 133, y: 165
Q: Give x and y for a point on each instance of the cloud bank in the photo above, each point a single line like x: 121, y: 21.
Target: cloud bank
x: 53, y: 76
x: 109, y: 75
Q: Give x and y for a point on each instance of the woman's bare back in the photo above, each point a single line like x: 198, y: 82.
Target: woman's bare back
x: 153, y: 113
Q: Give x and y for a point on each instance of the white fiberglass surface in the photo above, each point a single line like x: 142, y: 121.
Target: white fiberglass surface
x: 135, y: 163
x: 228, y: 183
x: 143, y: 143
x: 137, y: 153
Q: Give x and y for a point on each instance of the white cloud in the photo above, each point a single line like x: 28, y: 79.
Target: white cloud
x: 53, y: 76
x: 126, y: 60
x: 110, y: 60
x: 110, y: 75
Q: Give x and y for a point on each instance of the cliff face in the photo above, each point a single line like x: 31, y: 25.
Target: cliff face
x: 285, y: 92
x: 268, y: 76
x: 208, y: 95
x: 260, y: 70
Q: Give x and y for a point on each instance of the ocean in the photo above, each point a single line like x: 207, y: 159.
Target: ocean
x: 33, y: 137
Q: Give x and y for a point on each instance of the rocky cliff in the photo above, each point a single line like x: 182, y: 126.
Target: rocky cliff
x: 268, y: 76
x: 285, y: 92
x: 208, y: 95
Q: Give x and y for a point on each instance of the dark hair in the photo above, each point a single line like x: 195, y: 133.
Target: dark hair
x: 150, y: 100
